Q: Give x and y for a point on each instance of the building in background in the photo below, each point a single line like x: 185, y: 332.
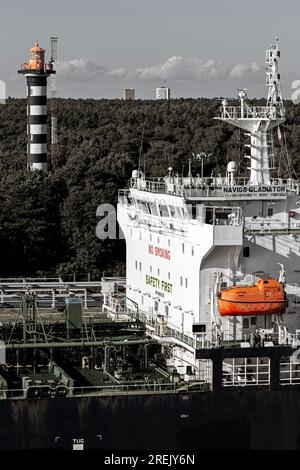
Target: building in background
x: 129, y: 94
x: 163, y: 93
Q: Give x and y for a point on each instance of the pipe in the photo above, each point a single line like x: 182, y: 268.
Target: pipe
x: 74, y: 345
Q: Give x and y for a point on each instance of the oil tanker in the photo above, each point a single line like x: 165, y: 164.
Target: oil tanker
x: 198, y: 348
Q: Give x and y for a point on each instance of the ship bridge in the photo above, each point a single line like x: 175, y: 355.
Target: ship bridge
x: 216, y: 188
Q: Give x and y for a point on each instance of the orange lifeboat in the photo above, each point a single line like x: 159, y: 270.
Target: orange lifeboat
x: 266, y: 297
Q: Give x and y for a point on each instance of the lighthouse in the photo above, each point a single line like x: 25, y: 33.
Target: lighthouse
x: 36, y: 72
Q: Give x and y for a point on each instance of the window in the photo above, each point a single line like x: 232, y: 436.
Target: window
x: 158, y: 271
x: 270, y: 211
x: 172, y: 211
x: 140, y: 266
x: 151, y: 269
x: 153, y: 208
x: 245, y: 323
x: 158, y: 240
x: 136, y: 265
x: 194, y: 211
x: 155, y: 306
x: 163, y: 210
x: 178, y: 213
x: 150, y: 237
x: 183, y: 248
x: 192, y: 251
x: 181, y: 280
x: 186, y: 282
x: 166, y: 310
x: 246, y: 252
x: 140, y: 235
x: 144, y: 206
x: 169, y: 276
x: 169, y: 243
x: 253, y: 321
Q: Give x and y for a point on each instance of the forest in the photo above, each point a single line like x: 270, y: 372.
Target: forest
x: 48, y: 221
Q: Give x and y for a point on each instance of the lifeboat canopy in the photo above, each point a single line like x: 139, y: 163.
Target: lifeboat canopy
x: 266, y: 297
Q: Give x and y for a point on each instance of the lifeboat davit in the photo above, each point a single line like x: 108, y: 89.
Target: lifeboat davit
x: 266, y: 297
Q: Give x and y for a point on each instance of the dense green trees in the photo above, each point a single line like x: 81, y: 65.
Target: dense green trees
x: 48, y: 222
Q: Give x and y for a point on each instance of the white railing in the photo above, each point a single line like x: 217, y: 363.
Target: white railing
x: 270, y: 225
x: 251, y: 112
x: 289, y: 372
x: 239, y: 373
x: 197, y: 186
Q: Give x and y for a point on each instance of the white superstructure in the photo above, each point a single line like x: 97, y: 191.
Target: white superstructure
x: 187, y: 238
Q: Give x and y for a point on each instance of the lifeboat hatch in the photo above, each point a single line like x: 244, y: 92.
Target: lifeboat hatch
x: 266, y: 297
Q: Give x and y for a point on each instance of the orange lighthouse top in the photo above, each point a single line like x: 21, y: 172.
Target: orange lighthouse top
x: 36, y: 62
x: 36, y: 58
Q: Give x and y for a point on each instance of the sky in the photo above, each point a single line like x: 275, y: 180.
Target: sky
x: 199, y: 48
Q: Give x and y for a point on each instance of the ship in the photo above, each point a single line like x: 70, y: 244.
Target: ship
x: 198, y: 348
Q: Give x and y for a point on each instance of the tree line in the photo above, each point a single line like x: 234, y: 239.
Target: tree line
x: 48, y: 221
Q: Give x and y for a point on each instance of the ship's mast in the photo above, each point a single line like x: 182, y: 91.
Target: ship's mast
x: 259, y: 120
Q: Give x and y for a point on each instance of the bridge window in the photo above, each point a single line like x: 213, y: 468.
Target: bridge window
x: 163, y: 210
x: 153, y: 208
x: 172, y: 211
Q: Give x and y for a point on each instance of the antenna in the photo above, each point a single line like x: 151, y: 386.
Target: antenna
x: 141, y: 150
x: 54, y: 103
x: 273, y: 79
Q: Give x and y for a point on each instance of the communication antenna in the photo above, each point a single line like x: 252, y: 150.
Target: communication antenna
x: 141, y: 151
x: 54, y: 103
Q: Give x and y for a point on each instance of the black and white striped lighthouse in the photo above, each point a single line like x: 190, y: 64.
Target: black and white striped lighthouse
x: 36, y: 72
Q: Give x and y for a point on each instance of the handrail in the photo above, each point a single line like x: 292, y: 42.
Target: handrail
x: 125, y: 388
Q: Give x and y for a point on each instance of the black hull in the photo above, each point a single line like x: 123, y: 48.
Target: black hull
x: 226, y: 420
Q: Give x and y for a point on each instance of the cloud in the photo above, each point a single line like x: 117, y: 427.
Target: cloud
x: 193, y: 68
x: 175, y: 67
x: 242, y: 70
x: 79, y: 70
x: 180, y: 68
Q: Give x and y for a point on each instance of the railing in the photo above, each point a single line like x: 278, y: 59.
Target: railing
x: 46, y: 392
x: 202, y: 187
x: 289, y: 372
x: 251, y: 112
x: 270, y: 226
x: 241, y: 373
